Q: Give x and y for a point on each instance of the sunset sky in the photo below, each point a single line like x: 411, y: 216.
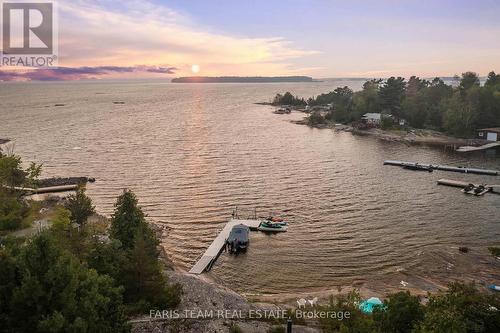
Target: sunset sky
x: 159, y: 38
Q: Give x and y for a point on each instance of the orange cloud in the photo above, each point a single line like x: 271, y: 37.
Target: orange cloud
x: 91, y: 35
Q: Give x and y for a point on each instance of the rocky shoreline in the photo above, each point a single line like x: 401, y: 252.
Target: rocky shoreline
x: 203, y: 293
x: 410, y: 136
x: 205, y: 299
x: 417, y: 136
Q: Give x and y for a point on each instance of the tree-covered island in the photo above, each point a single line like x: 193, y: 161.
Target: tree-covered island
x: 416, y: 103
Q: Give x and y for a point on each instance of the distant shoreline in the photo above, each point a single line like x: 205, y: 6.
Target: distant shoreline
x: 241, y: 79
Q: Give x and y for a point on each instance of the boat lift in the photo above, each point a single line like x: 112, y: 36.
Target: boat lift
x: 464, y: 185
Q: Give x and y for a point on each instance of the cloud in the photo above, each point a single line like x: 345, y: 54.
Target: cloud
x: 99, y: 33
x: 78, y: 73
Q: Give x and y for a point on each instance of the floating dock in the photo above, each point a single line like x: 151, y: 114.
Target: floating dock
x: 445, y: 168
x: 40, y: 190
x: 207, y: 260
x: 465, y: 149
x: 461, y: 184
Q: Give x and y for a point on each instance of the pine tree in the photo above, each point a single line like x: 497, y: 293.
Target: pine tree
x: 80, y: 206
x: 145, y: 285
x: 127, y: 218
x: 56, y: 293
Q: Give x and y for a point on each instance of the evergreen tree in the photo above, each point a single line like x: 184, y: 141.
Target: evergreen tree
x: 80, y: 206
x: 492, y: 80
x: 468, y: 81
x: 55, y: 293
x: 144, y: 282
x: 391, y: 96
x: 368, y: 99
x: 489, y: 111
x: 463, y: 109
x: 414, y: 104
x: 145, y: 285
x: 126, y: 219
x: 436, y: 95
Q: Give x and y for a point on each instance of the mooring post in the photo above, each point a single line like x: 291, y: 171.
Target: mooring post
x: 289, y: 325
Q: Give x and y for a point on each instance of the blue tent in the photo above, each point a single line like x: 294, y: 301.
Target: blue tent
x: 368, y: 305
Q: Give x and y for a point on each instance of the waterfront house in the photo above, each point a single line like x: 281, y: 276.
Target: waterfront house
x: 490, y: 134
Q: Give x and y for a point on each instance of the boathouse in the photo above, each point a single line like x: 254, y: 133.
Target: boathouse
x: 490, y: 134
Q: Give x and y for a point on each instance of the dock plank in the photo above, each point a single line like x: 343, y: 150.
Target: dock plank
x: 201, y: 264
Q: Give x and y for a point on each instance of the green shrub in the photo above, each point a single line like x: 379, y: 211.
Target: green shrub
x: 13, y: 211
x: 495, y: 251
x: 401, y: 313
x: 235, y: 329
x: 386, y: 123
x: 461, y: 309
x: 315, y: 119
x: 288, y: 99
x: 277, y: 329
x: 357, y: 321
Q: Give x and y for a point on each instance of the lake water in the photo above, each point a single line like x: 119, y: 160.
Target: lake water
x: 193, y: 152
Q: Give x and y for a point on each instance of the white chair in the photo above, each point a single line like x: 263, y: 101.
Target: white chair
x: 301, y: 302
x: 313, y: 301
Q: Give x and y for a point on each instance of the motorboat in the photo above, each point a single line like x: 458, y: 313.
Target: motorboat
x: 270, y: 226
x: 276, y: 220
x: 238, y: 239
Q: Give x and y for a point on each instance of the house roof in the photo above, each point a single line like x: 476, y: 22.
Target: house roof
x: 376, y: 116
x: 491, y: 129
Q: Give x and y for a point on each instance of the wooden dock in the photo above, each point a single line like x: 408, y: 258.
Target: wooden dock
x: 207, y: 260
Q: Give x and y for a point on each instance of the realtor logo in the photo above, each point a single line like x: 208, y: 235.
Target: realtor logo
x: 28, y: 34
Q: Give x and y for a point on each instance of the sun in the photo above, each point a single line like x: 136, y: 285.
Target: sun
x: 195, y: 68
